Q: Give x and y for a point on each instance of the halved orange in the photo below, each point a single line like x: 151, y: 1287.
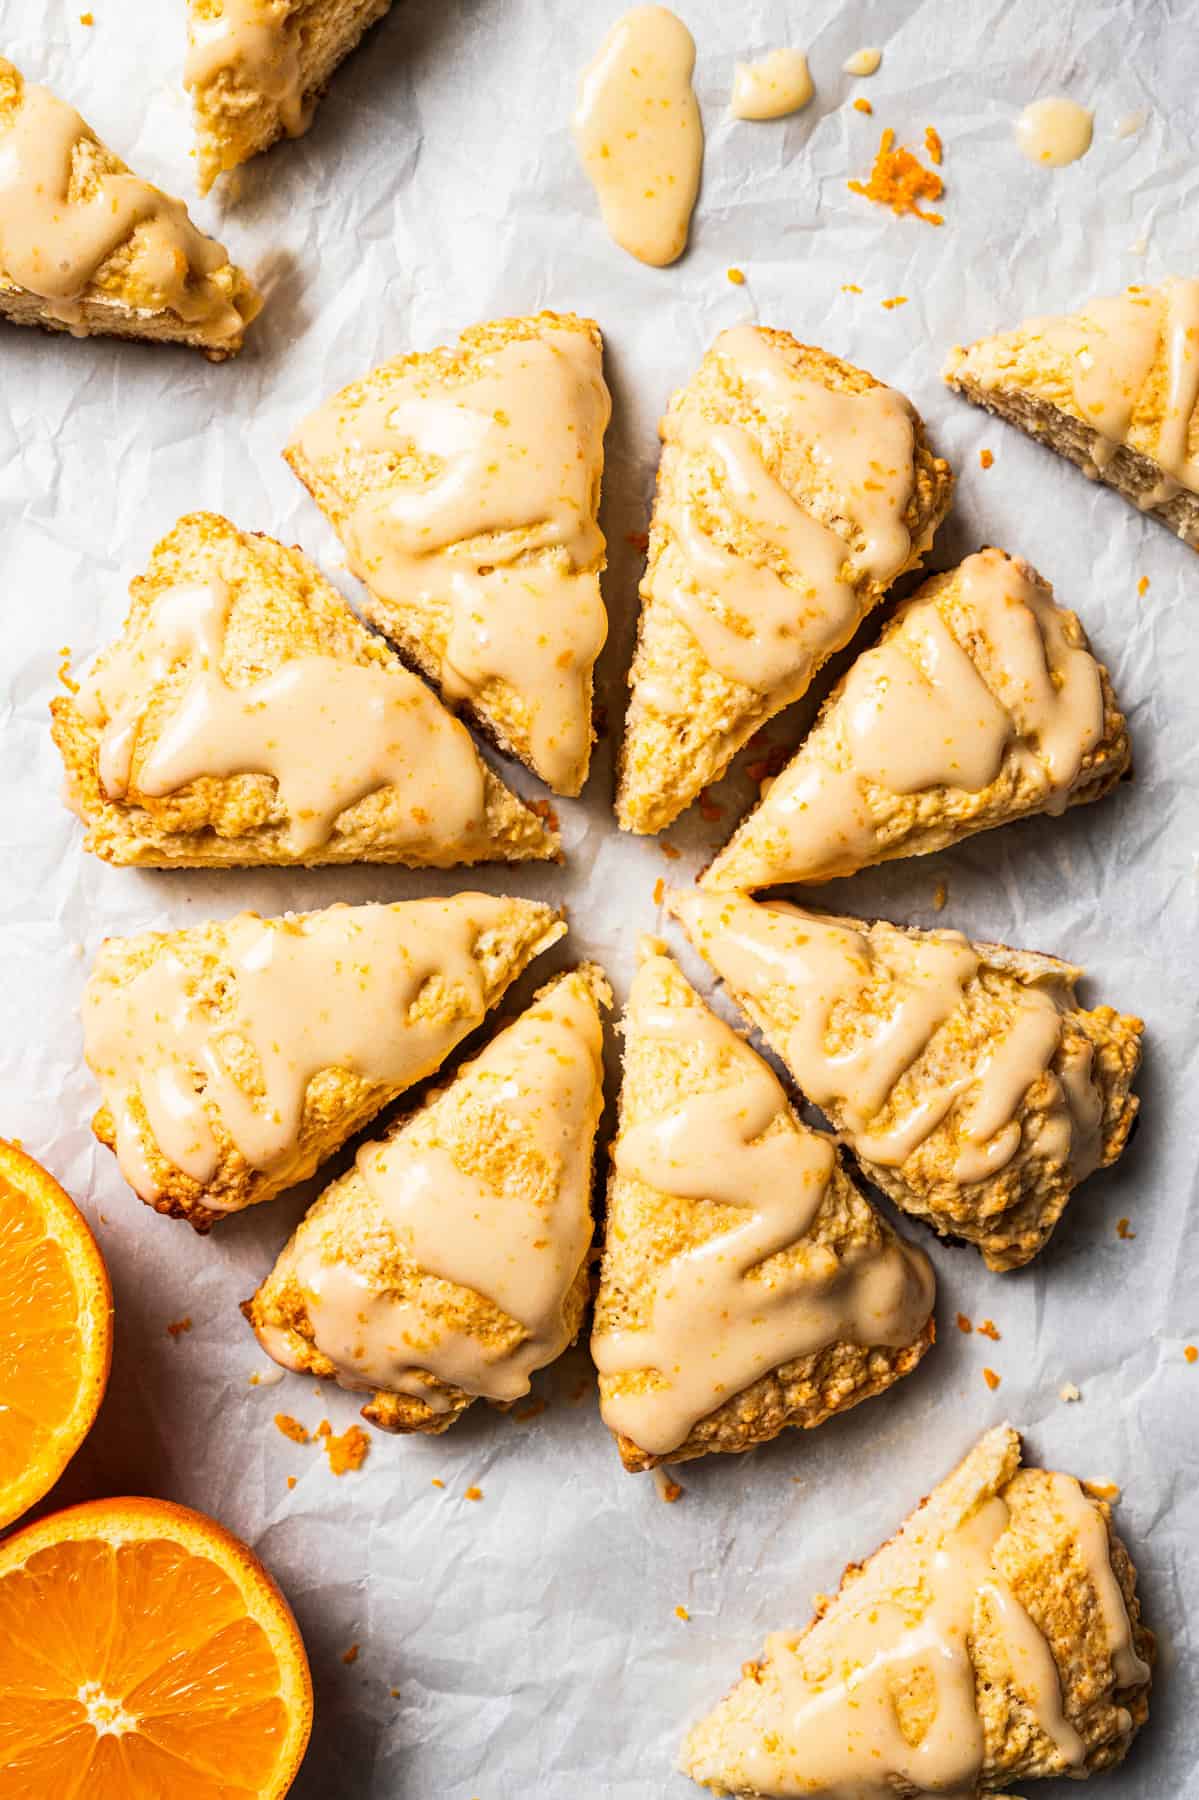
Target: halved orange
x: 55, y: 1331
x: 145, y: 1654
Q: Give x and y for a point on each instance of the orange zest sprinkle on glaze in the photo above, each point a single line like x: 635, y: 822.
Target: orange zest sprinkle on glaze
x: 964, y: 1323
x: 991, y: 1378
x: 291, y: 1428
x: 177, y: 1327
x: 349, y: 1451
x: 737, y: 277
x: 934, y: 149
x: 985, y: 459
x: 900, y: 181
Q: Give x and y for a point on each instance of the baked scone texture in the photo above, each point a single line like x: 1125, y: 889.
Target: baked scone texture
x: 256, y: 69
x: 981, y: 703
x: 88, y: 247
x: 746, y: 1285
x: 451, y: 1261
x: 245, y: 716
x: 1114, y: 387
x: 465, y: 485
x: 966, y: 1078
x: 793, y: 489
x: 995, y: 1639
x: 235, y: 1057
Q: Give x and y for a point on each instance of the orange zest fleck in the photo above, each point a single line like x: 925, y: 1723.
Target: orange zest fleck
x: 670, y: 853
x: 350, y: 1655
x: 709, y: 809
x: 985, y: 459
x: 177, y: 1327
x: 347, y: 1452
x: 737, y: 277
x: 1123, y: 1230
x: 544, y: 812
x: 862, y: 105
x: 940, y: 896
x: 87, y: 18
x: 1191, y: 1353
x: 991, y: 1378
x: 964, y: 1323
x: 850, y: 287
x: 473, y: 1493
x: 291, y: 1428
x: 394, y: 1692
x: 894, y: 301
x: 933, y: 147
x: 291, y: 1482
x: 671, y: 1491
x: 659, y: 891
x: 68, y: 680
x: 680, y: 1612
x: 1143, y: 585
x: 989, y: 1329
x: 899, y: 180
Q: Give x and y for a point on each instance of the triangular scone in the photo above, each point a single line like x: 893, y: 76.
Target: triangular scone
x: 981, y: 703
x: 966, y: 1079
x: 235, y: 1057
x: 256, y: 69
x: 1114, y: 387
x: 451, y: 1261
x: 996, y: 1638
x: 793, y: 489
x: 90, y: 248
x: 746, y: 1284
x: 465, y: 485
x: 245, y: 716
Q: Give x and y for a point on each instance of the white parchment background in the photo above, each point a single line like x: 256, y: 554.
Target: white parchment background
x: 533, y: 1636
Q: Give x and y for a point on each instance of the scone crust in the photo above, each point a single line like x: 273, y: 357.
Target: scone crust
x: 121, y: 300
x: 234, y: 120
x: 337, y: 1103
x: 645, y: 1228
x: 933, y: 818
x: 281, y: 608
x: 498, y: 712
x: 664, y: 762
x: 345, y: 1224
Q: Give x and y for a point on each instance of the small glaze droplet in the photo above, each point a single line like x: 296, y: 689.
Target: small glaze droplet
x: 769, y: 89
x: 862, y: 62
x: 1055, y: 131
x: 1130, y: 124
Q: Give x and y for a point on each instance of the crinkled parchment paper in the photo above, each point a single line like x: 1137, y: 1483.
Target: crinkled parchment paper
x: 532, y: 1636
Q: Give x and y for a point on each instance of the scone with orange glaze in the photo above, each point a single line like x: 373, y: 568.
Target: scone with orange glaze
x: 465, y: 485
x: 256, y: 69
x: 995, y: 1639
x: 746, y: 1284
x: 793, y: 489
x: 236, y: 1057
x: 88, y: 247
x: 967, y: 1079
x: 451, y: 1261
x: 245, y: 716
x: 1114, y: 387
x: 981, y: 703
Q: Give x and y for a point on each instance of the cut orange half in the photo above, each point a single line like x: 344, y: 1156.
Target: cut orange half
x: 55, y: 1331
x: 145, y: 1654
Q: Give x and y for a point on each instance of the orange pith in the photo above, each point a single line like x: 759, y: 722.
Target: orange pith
x: 144, y: 1652
x: 55, y: 1331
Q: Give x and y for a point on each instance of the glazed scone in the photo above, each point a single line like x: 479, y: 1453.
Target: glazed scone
x: 1113, y: 387
x: 450, y: 1262
x: 88, y: 247
x: 981, y: 703
x: 966, y: 1078
x: 236, y: 1057
x: 465, y: 485
x: 256, y: 68
x: 995, y: 1639
x: 244, y: 716
x: 746, y: 1285
x: 793, y: 489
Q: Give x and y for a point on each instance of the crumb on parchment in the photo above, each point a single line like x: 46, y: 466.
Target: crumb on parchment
x: 350, y: 1655
x: 291, y: 1428
x: 1068, y: 1392
x: 347, y: 1452
x: 1123, y: 1230
x: 737, y: 277
x: 964, y: 1323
